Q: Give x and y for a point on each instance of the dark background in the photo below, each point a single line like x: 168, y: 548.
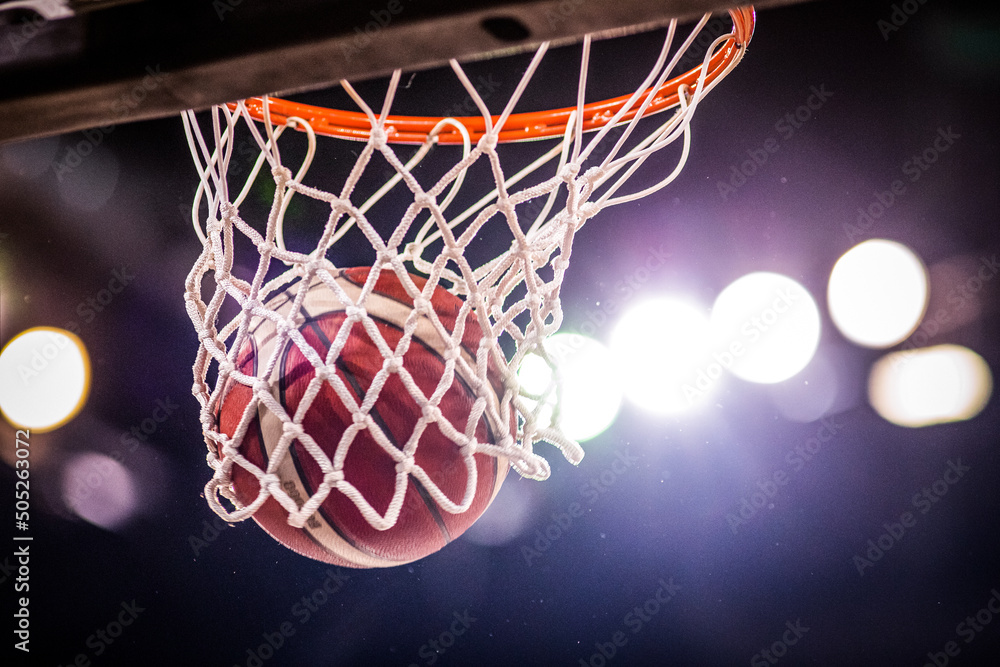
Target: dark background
x: 663, y: 518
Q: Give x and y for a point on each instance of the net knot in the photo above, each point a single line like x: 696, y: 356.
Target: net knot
x: 313, y: 265
x: 360, y: 419
x: 488, y: 142
x: 282, y: 175
x: 378, y: 136
x: 405, y: 466
x: 325, y: 373
x: 214, y: 226
x: 569, y: 172
x: 421, y: 304
x: 334, y: 477
x: 226, y: 368
x: 292, y: 429
x: 588, y: 210
x: 431, y: 413
x: 392, y: 364
x: 354, y: 313
x: 269, y: 481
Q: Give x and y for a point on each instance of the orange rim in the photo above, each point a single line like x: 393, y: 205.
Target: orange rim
x: 519, y: 126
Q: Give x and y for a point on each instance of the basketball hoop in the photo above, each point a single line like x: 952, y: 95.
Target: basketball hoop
x: 518, y: 126
x: 513, y: 298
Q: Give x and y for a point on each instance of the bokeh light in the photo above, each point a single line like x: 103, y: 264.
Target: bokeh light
x: 88, y: 176
x: 877, y: 293
x: 508, y: 516
x: 591, y: 385
x: 932, y: 385
x: 662, y: 349
x: 44, y: 378
x: 100, y: 490
x: 765, y: 327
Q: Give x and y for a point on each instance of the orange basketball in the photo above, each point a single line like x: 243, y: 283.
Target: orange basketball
x: 338, y: 533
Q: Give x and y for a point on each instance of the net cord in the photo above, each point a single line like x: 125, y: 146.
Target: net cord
x: 507, y: 296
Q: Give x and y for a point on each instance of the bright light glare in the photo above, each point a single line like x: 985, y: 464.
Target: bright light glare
x: 932, y: 385
x: 765, y: 327
x: 878, y: 293
x: 44, y: 378
x: 591, y: 386
x: 661, y: 346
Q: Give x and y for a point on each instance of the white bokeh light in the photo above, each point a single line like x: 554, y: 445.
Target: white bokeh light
x: 661, y: 347
x: 765, y: 327
x: 592, y: 387
x: 44, y: 378
x: 100, y: 490
x: 508, y: 516
x: 932, y: 385
x: 877, y: 293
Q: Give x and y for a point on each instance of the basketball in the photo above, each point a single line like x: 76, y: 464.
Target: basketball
x: 337, y: 532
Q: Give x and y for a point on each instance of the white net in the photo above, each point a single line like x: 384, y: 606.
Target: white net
x: 513, y: 297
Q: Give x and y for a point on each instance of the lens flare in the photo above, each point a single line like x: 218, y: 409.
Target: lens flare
x: 591, y: 385
x: 662, y: 346
x: 765, y: 327
x: 45, y: 375
x: 933, y: 385
x: 878, y: 293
